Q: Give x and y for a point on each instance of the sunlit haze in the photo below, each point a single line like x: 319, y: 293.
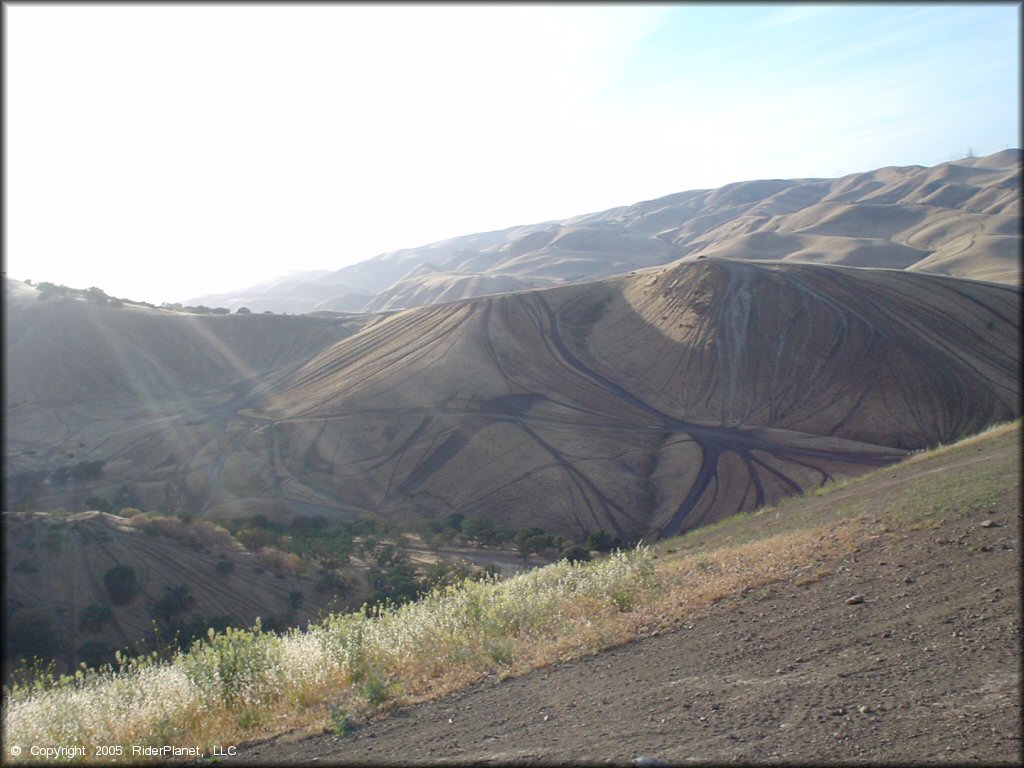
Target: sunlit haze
x: 161, y: 152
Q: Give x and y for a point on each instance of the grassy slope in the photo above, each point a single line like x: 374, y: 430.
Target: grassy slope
x: 504, y: 629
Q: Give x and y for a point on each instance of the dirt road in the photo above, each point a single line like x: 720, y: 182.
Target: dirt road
x: 926, y: 668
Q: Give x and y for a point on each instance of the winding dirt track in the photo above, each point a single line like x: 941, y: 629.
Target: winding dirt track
x: 925, y: 670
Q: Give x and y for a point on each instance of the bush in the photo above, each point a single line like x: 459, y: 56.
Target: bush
x: 95, y: 654
x: 533, y: 540
x: 253, y: 539
x: 395, y: 580
x: 454, y: 520
x: 441, y: 574
x: 121, y: 584
x: 173, y: 602
x: 478, y: 529
x: 575, y: 554
x: 601, y: 541
x: 31, y: 633
x: 357, y: 661
x: 224, y: 567
x: 331, y: 583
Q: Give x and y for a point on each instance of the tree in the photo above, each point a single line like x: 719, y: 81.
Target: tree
x: 243, y: 311
x: 253, y: 538
x: 442, y: 574
x: 173, y: 602
x: 602, y: 541
x: 533, y: 539
x: 396, y: 581
x: 503, y: 534
x: 478, y: 529
x: 121, y: 584
x: 31, y: 633
x: 46, y: 290
x: 96, y: 295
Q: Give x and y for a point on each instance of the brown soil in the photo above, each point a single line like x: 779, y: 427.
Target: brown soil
x: 925, y: 669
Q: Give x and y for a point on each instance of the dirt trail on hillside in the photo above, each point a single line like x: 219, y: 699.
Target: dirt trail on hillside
x: 925, y: 669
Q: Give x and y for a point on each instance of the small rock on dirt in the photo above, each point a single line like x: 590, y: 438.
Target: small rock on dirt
x: 855, y: 600
x: 989, y: 524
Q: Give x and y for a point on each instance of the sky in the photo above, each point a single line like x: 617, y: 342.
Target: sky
x: 165, y: 151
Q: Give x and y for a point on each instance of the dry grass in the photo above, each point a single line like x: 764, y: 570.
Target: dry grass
x: 995, y: 430
x: 245, y: 684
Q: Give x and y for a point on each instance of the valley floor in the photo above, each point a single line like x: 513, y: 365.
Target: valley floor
x: 927, y: 668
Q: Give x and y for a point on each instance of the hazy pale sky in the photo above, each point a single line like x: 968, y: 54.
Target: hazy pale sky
x: 165, y: 151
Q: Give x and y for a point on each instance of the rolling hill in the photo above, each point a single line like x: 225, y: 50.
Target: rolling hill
x: 959, y: 218
x: 645, y: 371
x: 120, y: 577
x: 645, y: 404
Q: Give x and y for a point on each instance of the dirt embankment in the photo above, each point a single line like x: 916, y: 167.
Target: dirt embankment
x: 921, y: 665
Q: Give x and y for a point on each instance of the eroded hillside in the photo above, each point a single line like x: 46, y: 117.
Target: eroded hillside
x: 648, y: 404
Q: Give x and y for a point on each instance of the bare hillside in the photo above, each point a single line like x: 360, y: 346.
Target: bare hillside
x: 648, y: 404
x: 643, y: 369
x: 119, y: 578
x: 644, y: 405
x: 960, y: 218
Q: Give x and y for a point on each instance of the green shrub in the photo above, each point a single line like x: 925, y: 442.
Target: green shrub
x: 331, y: 583
x: 95, y: 654
x: 575, y: 554
x: 175, y: 601
x: 238, y: 667
x: 341, y: 720
x: 602, y: 541
x: 121, y: 584
x: 361, y: 661
x: 478, y: 529
x: 31, y: 633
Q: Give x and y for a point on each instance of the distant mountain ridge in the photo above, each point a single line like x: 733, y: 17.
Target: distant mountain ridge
x: 960, y: 218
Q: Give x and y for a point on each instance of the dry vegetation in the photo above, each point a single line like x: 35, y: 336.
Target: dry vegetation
x: 244, y: 684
